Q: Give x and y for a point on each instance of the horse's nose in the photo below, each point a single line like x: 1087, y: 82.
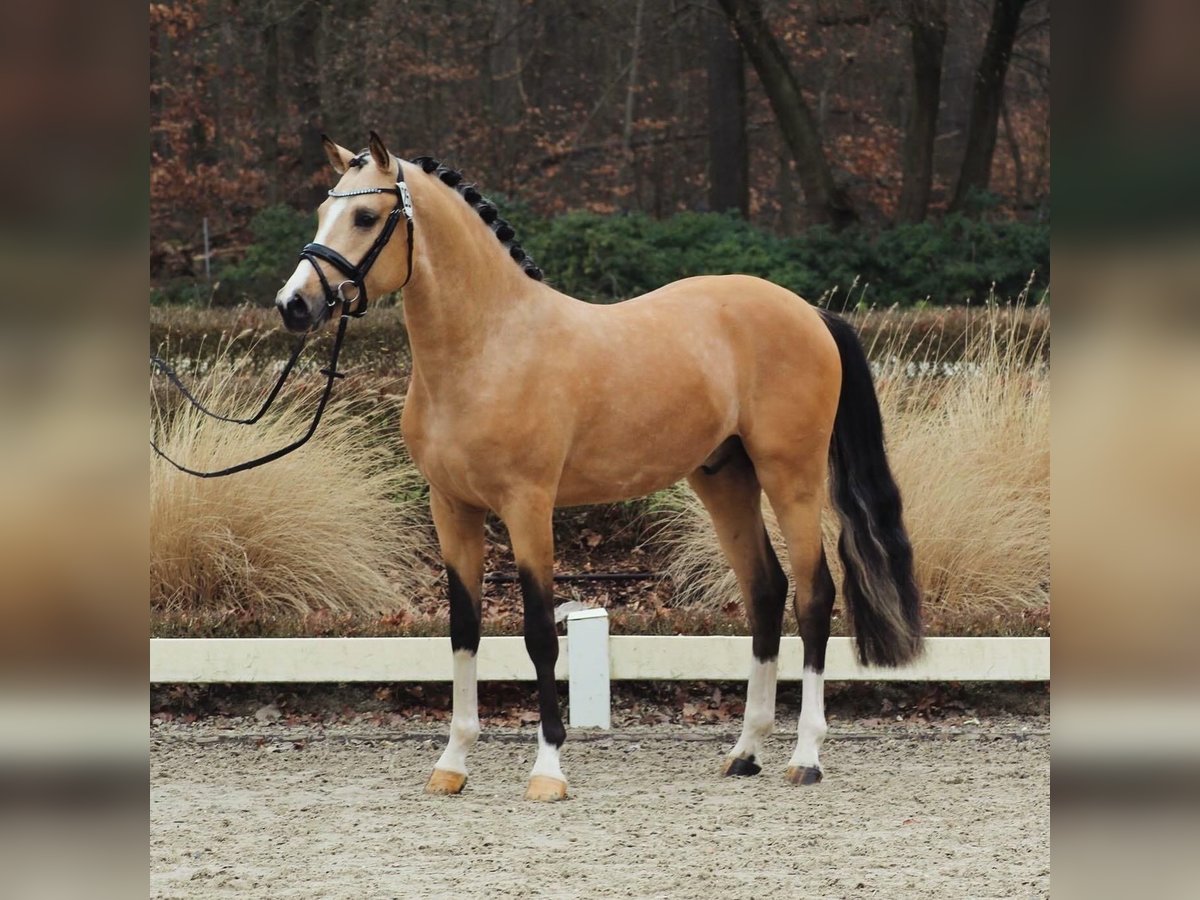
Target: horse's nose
x: 295, y: 312
x: 296, y: 307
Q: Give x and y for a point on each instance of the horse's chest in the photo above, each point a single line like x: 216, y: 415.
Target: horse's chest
x: 447, y: 449
x: 417, y: 430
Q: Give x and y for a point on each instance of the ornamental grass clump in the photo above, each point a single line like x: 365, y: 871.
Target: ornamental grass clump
x: 338, y: 526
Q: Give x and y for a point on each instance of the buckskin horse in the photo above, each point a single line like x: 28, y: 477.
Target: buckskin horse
x: 523, y: 399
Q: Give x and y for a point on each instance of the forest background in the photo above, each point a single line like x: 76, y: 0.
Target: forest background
x: 871, y: 152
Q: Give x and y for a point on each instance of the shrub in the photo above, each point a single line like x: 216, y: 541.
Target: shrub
x: 340, y: 525
x: 608, y: 258
x: 279, y: 232
x: 969, y: 444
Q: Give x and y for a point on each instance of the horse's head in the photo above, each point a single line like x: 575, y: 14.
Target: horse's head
x: 363, y: 245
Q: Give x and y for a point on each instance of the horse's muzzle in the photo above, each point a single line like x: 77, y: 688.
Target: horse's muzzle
x: 297, y: 313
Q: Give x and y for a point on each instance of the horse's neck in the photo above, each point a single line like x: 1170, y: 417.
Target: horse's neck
x: 463, y: 287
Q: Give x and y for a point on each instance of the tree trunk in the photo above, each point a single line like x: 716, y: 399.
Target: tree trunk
x: 728, y: 152
x: 503, y: 91
x: 504, y: 63
x: 160, y: 147
x: 826, y: 202
x: 927, y: 24
x: 631, y: 86
x: 304, y: 35
x: 789, y: 201
x: 269, y: 103
x: 987, y: 94
x: 1014, y: 148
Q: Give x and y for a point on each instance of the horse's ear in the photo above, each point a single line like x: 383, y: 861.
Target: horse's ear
x: 339, y: 157
x: 379, y: 153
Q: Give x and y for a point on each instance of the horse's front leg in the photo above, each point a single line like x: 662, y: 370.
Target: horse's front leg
x: 460, y: 533
x: 530, y: 529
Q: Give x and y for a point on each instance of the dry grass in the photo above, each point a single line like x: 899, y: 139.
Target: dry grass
x: 337, y: 534
x: 339, y: 526
x: 969, y: 443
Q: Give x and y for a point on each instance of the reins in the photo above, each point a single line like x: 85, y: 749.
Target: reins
x: 333, y: 374
x: 163, y: 366
x: 352, y: 307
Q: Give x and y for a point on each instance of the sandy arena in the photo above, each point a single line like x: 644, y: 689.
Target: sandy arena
x: 253, y: 811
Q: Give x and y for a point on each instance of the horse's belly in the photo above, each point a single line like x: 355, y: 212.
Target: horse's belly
x: 581, y: 489
x: 613, y: 467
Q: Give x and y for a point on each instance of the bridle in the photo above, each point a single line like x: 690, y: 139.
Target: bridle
x: 356, y: 276
x: 355, y: 307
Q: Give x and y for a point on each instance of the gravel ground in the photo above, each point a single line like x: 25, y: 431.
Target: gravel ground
x: 247, y: 809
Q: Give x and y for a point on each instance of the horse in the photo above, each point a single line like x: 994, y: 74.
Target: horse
x: 523, y: 399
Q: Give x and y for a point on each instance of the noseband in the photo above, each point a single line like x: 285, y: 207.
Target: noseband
x: 356, y: 276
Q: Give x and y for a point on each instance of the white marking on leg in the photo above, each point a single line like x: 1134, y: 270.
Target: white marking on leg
x: 759, y: 720
x: 547, y: 762
x: 464, y: 723
x: 811, y: 729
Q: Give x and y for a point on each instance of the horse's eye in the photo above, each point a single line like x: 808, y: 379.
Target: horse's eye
x: 365, y: 219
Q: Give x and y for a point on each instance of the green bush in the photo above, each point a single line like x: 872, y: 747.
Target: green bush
x: 608, y: 258
x: 279, y: 233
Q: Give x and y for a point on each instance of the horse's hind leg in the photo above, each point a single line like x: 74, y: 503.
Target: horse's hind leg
x: 460, y: 533
x: 732, y: 496
x: 796, y: 497
x: 813, y: 613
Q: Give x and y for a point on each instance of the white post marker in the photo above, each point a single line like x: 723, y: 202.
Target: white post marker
x: 207, y: 255
x: 587, y: 667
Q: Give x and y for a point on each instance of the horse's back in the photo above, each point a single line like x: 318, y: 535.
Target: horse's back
x: 753, y: 326
x: 737, y: 303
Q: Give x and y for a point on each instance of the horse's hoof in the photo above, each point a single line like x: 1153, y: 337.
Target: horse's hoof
x: 735, y: 765
x: 444, y: 782
x: 803, y: 775
x: 544, y: 789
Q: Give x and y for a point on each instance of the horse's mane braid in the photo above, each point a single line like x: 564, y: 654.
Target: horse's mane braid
x: 486, y: 209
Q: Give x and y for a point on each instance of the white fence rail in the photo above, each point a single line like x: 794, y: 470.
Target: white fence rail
x: 589, y: 659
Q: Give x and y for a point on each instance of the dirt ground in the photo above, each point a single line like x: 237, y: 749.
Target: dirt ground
x: 245, y: 809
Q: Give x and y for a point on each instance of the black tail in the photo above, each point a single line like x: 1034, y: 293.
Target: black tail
x: 881, y: 594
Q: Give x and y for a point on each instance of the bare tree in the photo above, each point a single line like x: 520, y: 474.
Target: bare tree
x: 826, y: 201
x: 268, y: 139
x: 927, y: 26
x: 304, y: 35
x: 728, y: 151
x: 986, y: 100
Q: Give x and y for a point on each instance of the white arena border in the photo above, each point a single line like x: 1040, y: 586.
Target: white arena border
x: 589, y: 659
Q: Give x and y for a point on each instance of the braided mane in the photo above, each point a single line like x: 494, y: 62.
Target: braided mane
x: 486, y: 209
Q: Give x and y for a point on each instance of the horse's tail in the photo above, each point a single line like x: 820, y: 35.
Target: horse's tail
x: 881, y: 593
